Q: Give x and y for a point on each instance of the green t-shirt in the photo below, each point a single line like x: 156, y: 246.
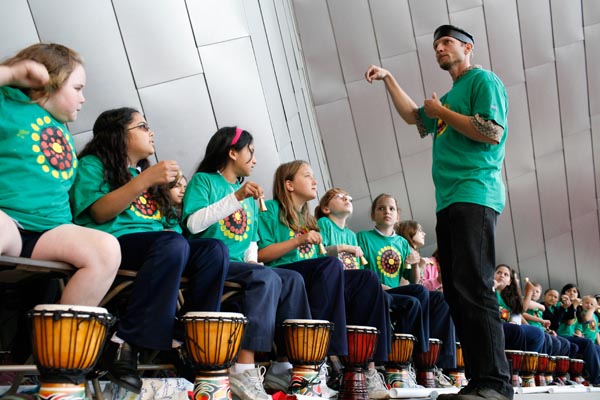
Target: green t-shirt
x: 385, y: 254
x: 505, y: 310
x: 589, y: 328
x: 563, y: 328
x: 142, y: 215
x: 237, y: 230
x: 271, y: 230
x: 333, y: 235
x: 464, y: 170
x: 39, y: 163
x: 536, y: 313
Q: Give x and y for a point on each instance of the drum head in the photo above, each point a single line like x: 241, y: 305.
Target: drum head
x: 361, y: 328
x: 306, y: 321
x: 404, y: 336
x: 70, y: 307
x: 212, y: 315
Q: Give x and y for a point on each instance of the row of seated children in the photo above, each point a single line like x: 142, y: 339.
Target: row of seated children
x: 125, y: 200
x: 528, y: 323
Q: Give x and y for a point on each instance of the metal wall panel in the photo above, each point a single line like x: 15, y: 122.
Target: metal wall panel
x: 315, y: 29
x: 393, y: 27
x: 91, y: 30
x: 519, y: 150
x: 341, y: 146
x: 417, y: 173
x: 182, y: 119
x: 428, y: 15
x: 567, y: 24
x: 460, y: 5
x: 375, y: 131
x: 570, y: 66
x: 237, y: 99
x: 596, y: 150
x: 544, y: 111
x: 534, y: 268
x: 473, y: 21
x: 217, y: 21
x: 591, y: 12
x: 506, y: 250
x: 361, y: 219
x: 525, y: 207
x: 536, y: 32
x: 580, y: 174
x: 17, y: 29
x: 298, y: 141
x: 561, y: 260
x: 81, y: 139
x: 153, y: 57
x: 554, y: 200
x: 269, y: 54
x: 587, y: 251
x: 592, y: 55
x: 354, y: 36
x: 503, y: 34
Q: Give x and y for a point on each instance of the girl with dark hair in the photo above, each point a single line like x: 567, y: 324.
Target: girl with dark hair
x: 119, y: 192
x: 41, y: 89
x: 289, y: 239
x: 217, y: 205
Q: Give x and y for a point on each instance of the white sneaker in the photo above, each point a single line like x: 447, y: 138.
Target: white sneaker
x: 326, y: 391
x: 278, y: 382
x: 441, y: 380
x: 249, y: 384
x: 412, y: 378
x: 376, y: 385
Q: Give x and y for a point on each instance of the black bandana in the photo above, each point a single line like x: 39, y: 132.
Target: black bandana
x: 455, y: 32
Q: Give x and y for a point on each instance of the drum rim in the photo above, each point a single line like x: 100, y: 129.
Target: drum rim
x: 514, y: 351
x: 435, y: 340
x: 212, y: 314
x: 405, y: 335
x: 358, y: 327
x: 562, y: 357
x: 70, y: 307
x: 577, y: 360
x: 543, y: 355
x: 529, y: 353
x: 306, y: 321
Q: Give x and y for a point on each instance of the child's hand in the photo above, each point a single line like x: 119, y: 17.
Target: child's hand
x: 354, y: 250
x: 29, y: 73
x: 577, y: 333
x: 545, y: 323
x: 576, y: 302
x: 414, y: 257
x: 161, y: 173
x: 565, y: 301
x: 249, y: 189
x: 311, y: 237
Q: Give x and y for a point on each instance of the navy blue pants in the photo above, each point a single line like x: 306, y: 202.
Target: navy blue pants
x: 366, y: 305
x: 558, y: 346
x: 324, y: 282
x: 466, y: 248
x: 161, y: 258
x: 269, y: 296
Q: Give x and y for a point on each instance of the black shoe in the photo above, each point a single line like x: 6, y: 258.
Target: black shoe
x: 122, y: 366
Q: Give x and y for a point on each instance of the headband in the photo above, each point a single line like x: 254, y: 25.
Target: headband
x: 238, y: 133
x: 455, y: 32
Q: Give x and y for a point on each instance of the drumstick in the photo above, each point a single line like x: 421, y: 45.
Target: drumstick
x: 363, y: 260
x: 261, y: 204
x: 322, y: 249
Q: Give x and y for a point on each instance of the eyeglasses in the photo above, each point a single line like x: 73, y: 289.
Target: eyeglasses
x: 344, y: 197
x: 144, y: 126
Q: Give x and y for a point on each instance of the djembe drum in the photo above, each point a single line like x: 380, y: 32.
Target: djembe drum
x: 529, y: 367
x: 576, y: 370
x: 362, y: 341
x: 66, y: 342
x: 550, y: 370
x: 542, y: 370
x: 397, y: 366
x: 213, y: 341
x: 562, y: 368
x: 515, y: 360
x: 306, y: 344
x: 425, y: 363
x: 457, y: 375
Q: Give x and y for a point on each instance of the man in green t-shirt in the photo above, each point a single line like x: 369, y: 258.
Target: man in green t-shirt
x: 469, y: 129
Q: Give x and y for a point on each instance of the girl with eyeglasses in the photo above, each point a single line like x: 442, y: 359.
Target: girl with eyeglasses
x: 117, y: 191
x: 220, y: 204
x: 290, y: 238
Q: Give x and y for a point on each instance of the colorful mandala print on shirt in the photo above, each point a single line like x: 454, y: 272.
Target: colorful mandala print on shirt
x: 144, y: 206
x: 592, y: 325
x: 504, y: 314
x: 305, y: 251
x: 389, y: 261
x: 237, y: 225
x: 441, y: 124
x: 55, y: 154
x: 348, y: 260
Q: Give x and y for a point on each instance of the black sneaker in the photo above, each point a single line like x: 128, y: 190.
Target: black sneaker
x: 120, y: 361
